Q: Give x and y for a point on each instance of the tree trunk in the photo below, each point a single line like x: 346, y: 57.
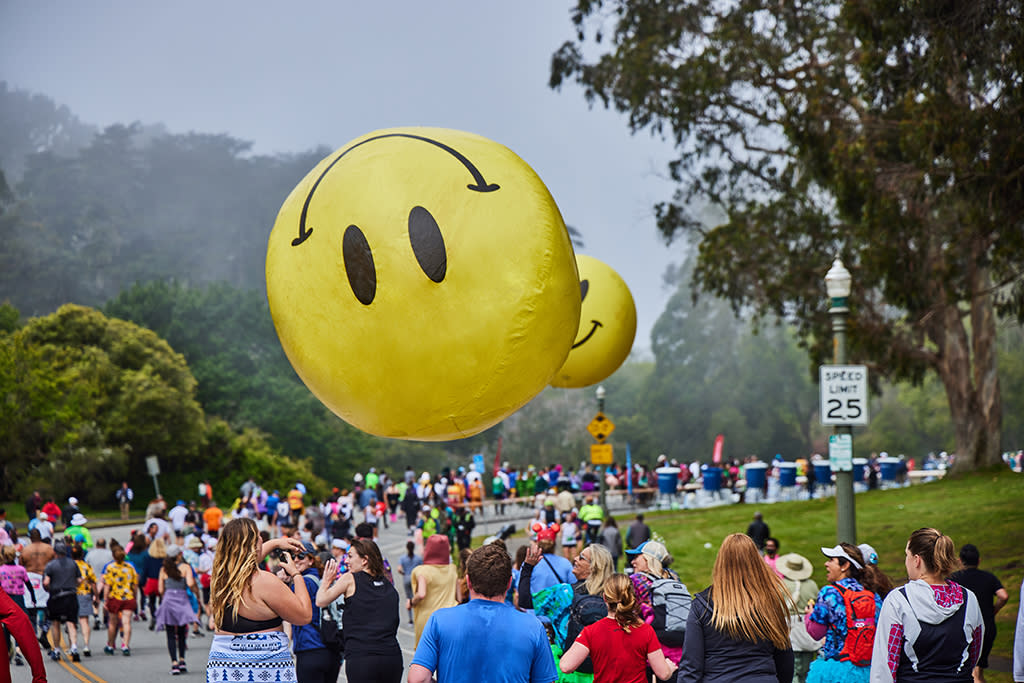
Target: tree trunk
x: 967, y: 366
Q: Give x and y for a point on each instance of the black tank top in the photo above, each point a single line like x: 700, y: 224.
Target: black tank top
x: 370, y: 619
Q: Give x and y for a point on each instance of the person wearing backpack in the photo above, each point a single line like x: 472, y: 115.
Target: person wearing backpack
x: 845, y: 612
x: 591, y: 570
x: 621, y: 644
x: 664, y: 599
x: 932, y: 628
x: 314, y: 661
x: 738, y: 628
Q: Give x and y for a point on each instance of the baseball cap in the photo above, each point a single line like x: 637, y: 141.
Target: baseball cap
x: 338, y: 543
x: 837, y: 552
x: 43, y: 516
x: 78, y: 519
x: 870, y: 556
x: 73, y: 500
x: 652, y: 548
x: 181, y: 503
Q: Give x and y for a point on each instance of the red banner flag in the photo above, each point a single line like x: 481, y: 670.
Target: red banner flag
x: 716, y: 456
x: 497, y: 458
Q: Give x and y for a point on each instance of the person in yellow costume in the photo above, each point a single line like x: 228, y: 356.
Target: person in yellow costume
x: 433, y: 582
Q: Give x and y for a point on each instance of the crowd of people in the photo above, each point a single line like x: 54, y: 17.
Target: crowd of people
x: 296, y: 589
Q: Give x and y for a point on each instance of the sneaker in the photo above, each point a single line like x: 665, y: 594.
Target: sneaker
x: 18, y: 661
x: 108, y: 650
x: 126, y: 651
x: 75, y: 657
x: 96, y: 625
x: 182, y: 668
x: 55, y: 655
x: 87, y: 652
x: 174, y: 670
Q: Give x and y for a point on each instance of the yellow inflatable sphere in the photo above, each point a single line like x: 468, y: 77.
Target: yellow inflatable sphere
x: 607, y: 326
x: 422, y: 283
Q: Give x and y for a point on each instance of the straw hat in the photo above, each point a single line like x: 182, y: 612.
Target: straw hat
x: 794, y: 566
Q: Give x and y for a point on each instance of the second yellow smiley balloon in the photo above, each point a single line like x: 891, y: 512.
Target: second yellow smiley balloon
x: 607, y: 326
x: 422, y: 283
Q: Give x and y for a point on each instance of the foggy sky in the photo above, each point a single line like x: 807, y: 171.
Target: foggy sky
x: 289, y: 78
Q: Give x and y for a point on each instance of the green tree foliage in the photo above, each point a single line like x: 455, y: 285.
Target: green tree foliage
x: 228, y: 338
x: 86, y: 397
x: 714, y: 375
x: 144, y: 393
x: 886, y: 132
x: 134, y: 205
x: 31, y: 123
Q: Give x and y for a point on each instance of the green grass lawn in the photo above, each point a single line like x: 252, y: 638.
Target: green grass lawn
x: 986, y: 509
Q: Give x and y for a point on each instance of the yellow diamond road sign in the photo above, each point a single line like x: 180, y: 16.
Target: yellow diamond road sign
x: 601, y: 427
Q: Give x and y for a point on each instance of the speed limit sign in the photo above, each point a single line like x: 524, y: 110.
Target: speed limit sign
x: 844, y: 394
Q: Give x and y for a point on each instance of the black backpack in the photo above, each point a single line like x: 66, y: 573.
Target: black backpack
x: 584, y: 611
x: 329, y: 626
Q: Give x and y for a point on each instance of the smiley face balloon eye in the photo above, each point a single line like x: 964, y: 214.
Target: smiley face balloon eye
x: 405, y: 291
x: 584, y: 286
x: 427, y: 243
x: 362, y: 276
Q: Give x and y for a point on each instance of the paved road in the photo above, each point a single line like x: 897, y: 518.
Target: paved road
x: 150, y: 661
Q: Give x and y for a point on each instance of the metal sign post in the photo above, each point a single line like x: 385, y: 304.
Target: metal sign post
x: 153, y: 467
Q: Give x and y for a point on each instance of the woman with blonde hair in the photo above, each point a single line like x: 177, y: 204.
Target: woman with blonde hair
x: 591, y: 569
x: 930, y: 629
x: 622, y: 645
x: 247, y: 601
x: 650, y: 561
x: 738, y: 628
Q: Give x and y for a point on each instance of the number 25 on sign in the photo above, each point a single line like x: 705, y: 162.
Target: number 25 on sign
x: 844, y: 394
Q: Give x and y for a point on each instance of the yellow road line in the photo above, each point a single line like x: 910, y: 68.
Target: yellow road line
x: 88, y: 673
x: 71, y: 671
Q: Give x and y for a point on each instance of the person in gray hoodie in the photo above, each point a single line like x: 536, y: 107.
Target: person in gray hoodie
x: 931, y: 629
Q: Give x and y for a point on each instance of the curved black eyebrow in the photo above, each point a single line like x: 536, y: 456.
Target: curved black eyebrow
x: 479, y: 184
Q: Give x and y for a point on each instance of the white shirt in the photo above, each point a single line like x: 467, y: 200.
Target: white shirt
x: 177, y: 516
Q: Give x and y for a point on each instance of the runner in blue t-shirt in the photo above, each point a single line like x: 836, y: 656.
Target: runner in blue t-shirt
x: 486, y: 640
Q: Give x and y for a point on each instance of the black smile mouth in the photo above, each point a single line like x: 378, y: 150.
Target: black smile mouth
x: 590, y: 334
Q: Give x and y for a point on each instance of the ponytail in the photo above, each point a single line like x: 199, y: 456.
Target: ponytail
x: 936, y: 551
x: 621, y: 600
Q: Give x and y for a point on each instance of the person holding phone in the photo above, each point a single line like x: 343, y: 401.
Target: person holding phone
x: 248, y: 606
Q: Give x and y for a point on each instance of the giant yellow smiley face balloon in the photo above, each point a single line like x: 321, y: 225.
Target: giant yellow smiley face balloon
x: 607, y: 326
x: 422, y: 283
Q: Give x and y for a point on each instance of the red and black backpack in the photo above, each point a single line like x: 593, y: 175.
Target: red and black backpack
x: 860, y: 625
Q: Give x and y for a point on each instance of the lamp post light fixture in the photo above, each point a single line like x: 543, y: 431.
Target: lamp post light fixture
x: 837, y: 283
x: 599, y: 393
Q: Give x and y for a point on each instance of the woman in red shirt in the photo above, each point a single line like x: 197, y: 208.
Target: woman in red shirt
x: 622, y: 645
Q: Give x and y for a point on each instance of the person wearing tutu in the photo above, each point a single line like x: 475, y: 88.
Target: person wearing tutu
x: 175, y: 613
x: 856, y: 585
